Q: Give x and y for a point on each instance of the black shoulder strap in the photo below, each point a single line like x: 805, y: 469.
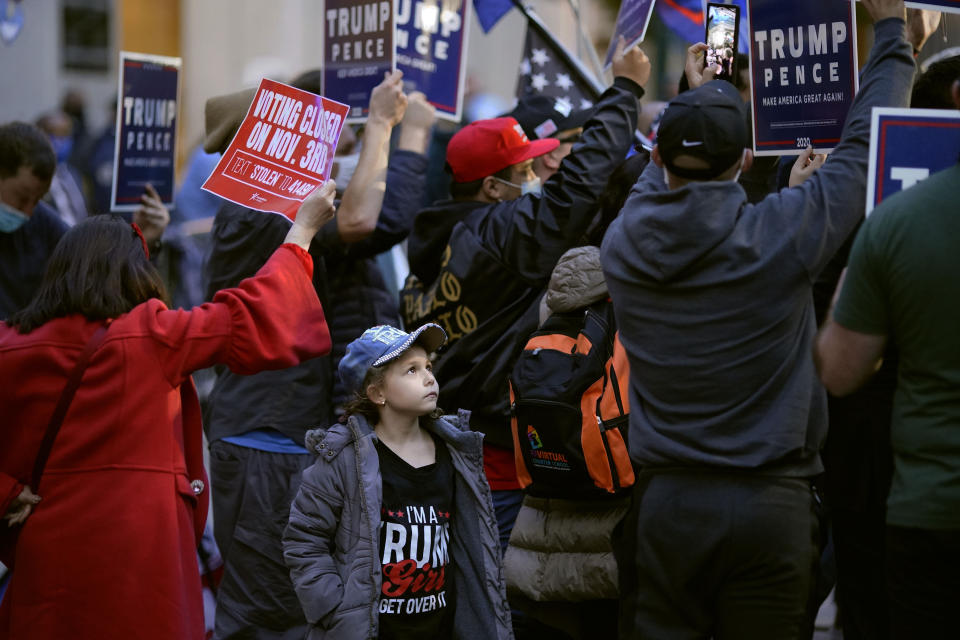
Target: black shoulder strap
x: 61, y: 410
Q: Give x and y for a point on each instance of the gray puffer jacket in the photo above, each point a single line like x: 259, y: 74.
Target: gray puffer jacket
x: 331, y: 542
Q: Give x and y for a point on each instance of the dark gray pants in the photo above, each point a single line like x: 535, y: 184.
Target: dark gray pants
x: 722, y: 555
x: 252, y: 491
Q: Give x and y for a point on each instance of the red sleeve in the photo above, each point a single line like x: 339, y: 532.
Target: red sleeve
x: 10, y: 488
x: 270, y: 321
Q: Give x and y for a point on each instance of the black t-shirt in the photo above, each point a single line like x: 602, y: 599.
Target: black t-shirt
x: 416, y: 600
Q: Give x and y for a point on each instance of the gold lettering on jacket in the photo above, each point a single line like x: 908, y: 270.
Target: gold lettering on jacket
x: 442, y: 294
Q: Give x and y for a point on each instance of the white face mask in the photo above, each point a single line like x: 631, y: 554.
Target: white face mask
x: 346, y: 166
x: 530, y: 186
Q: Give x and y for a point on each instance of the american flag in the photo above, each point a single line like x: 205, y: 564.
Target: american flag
x: 547, y: 70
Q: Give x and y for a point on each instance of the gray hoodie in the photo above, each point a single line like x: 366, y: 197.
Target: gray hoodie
x: 713, y: 299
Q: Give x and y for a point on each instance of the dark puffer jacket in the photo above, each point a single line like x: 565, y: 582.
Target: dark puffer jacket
x: 331, y: 542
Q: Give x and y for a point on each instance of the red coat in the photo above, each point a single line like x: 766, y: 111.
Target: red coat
x: 110, y: 552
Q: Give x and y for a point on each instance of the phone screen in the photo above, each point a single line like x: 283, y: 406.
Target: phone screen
x: 723, y: 22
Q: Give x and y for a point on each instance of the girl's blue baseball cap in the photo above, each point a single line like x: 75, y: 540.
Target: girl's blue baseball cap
x: 380, y: 345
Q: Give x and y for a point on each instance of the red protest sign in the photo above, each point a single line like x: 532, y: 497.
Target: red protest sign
x: 283, y: 149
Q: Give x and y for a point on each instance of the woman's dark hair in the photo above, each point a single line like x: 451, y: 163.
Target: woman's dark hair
x: 364, y: 406
x: 99, y: 270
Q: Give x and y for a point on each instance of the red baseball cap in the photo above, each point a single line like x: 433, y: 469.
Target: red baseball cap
x: 484, y: 147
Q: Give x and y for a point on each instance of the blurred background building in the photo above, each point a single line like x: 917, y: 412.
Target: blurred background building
x: 71, y: 47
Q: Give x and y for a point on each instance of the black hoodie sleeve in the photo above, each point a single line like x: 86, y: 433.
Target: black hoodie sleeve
x: 528, y: 235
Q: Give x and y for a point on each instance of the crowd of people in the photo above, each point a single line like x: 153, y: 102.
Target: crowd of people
x: 794, y: 380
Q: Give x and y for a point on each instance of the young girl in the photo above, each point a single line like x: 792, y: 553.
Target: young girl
x: 392, y: 533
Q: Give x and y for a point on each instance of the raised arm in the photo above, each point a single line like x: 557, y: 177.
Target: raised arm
x: 405, y: 188
x: 270, y: 321
x: 531, y: 233
x: 363, y: 197
x: 831, y: 202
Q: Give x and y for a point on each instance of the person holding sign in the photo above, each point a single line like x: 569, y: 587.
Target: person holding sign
x: 256, y: 424
x: 713, y: 299
x: 480, y: 262
x: 101, y: 534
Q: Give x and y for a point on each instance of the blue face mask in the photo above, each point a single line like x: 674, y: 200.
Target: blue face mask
x: 62, y: 146
x: 10, y: 218
x: 529, y: 187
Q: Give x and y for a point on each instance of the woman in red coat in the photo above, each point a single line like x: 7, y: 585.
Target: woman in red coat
x: 109, y: 549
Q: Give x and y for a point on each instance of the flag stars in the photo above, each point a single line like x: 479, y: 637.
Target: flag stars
x: 564, y: 104
x: 585, y: 104
x: 540, y: 57
x: 525, y: 67
x: 539, y: 81
x: 563, y: 81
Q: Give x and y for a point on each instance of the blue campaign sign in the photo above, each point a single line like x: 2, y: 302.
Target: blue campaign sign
x: 358, y: 48
x: 432, y: 51
x: 908, y: 145
x: 147, y: 98
x: 632, y: 21
x: 803, y: 65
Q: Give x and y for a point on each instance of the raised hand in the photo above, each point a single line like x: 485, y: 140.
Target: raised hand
x: 387, y: 101
x: 694, y: 69
x: 417, y: 124
x: 151, y: 216
x: 314, y: 212
x: 883, y: 9
x: 632, y: 63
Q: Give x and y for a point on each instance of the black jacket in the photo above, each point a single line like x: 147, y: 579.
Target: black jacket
x: 299, y: 398
x: 478, y: 269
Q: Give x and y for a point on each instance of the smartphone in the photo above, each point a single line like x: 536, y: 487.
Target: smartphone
x: 722, y: 35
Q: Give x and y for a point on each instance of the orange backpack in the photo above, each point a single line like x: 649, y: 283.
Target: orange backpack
x: 568, y: 395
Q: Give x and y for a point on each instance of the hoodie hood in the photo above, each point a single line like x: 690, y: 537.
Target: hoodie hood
x: 670, y: 230
x: 431, y: 232
x: 577, y: 281
x: 327, y: 442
